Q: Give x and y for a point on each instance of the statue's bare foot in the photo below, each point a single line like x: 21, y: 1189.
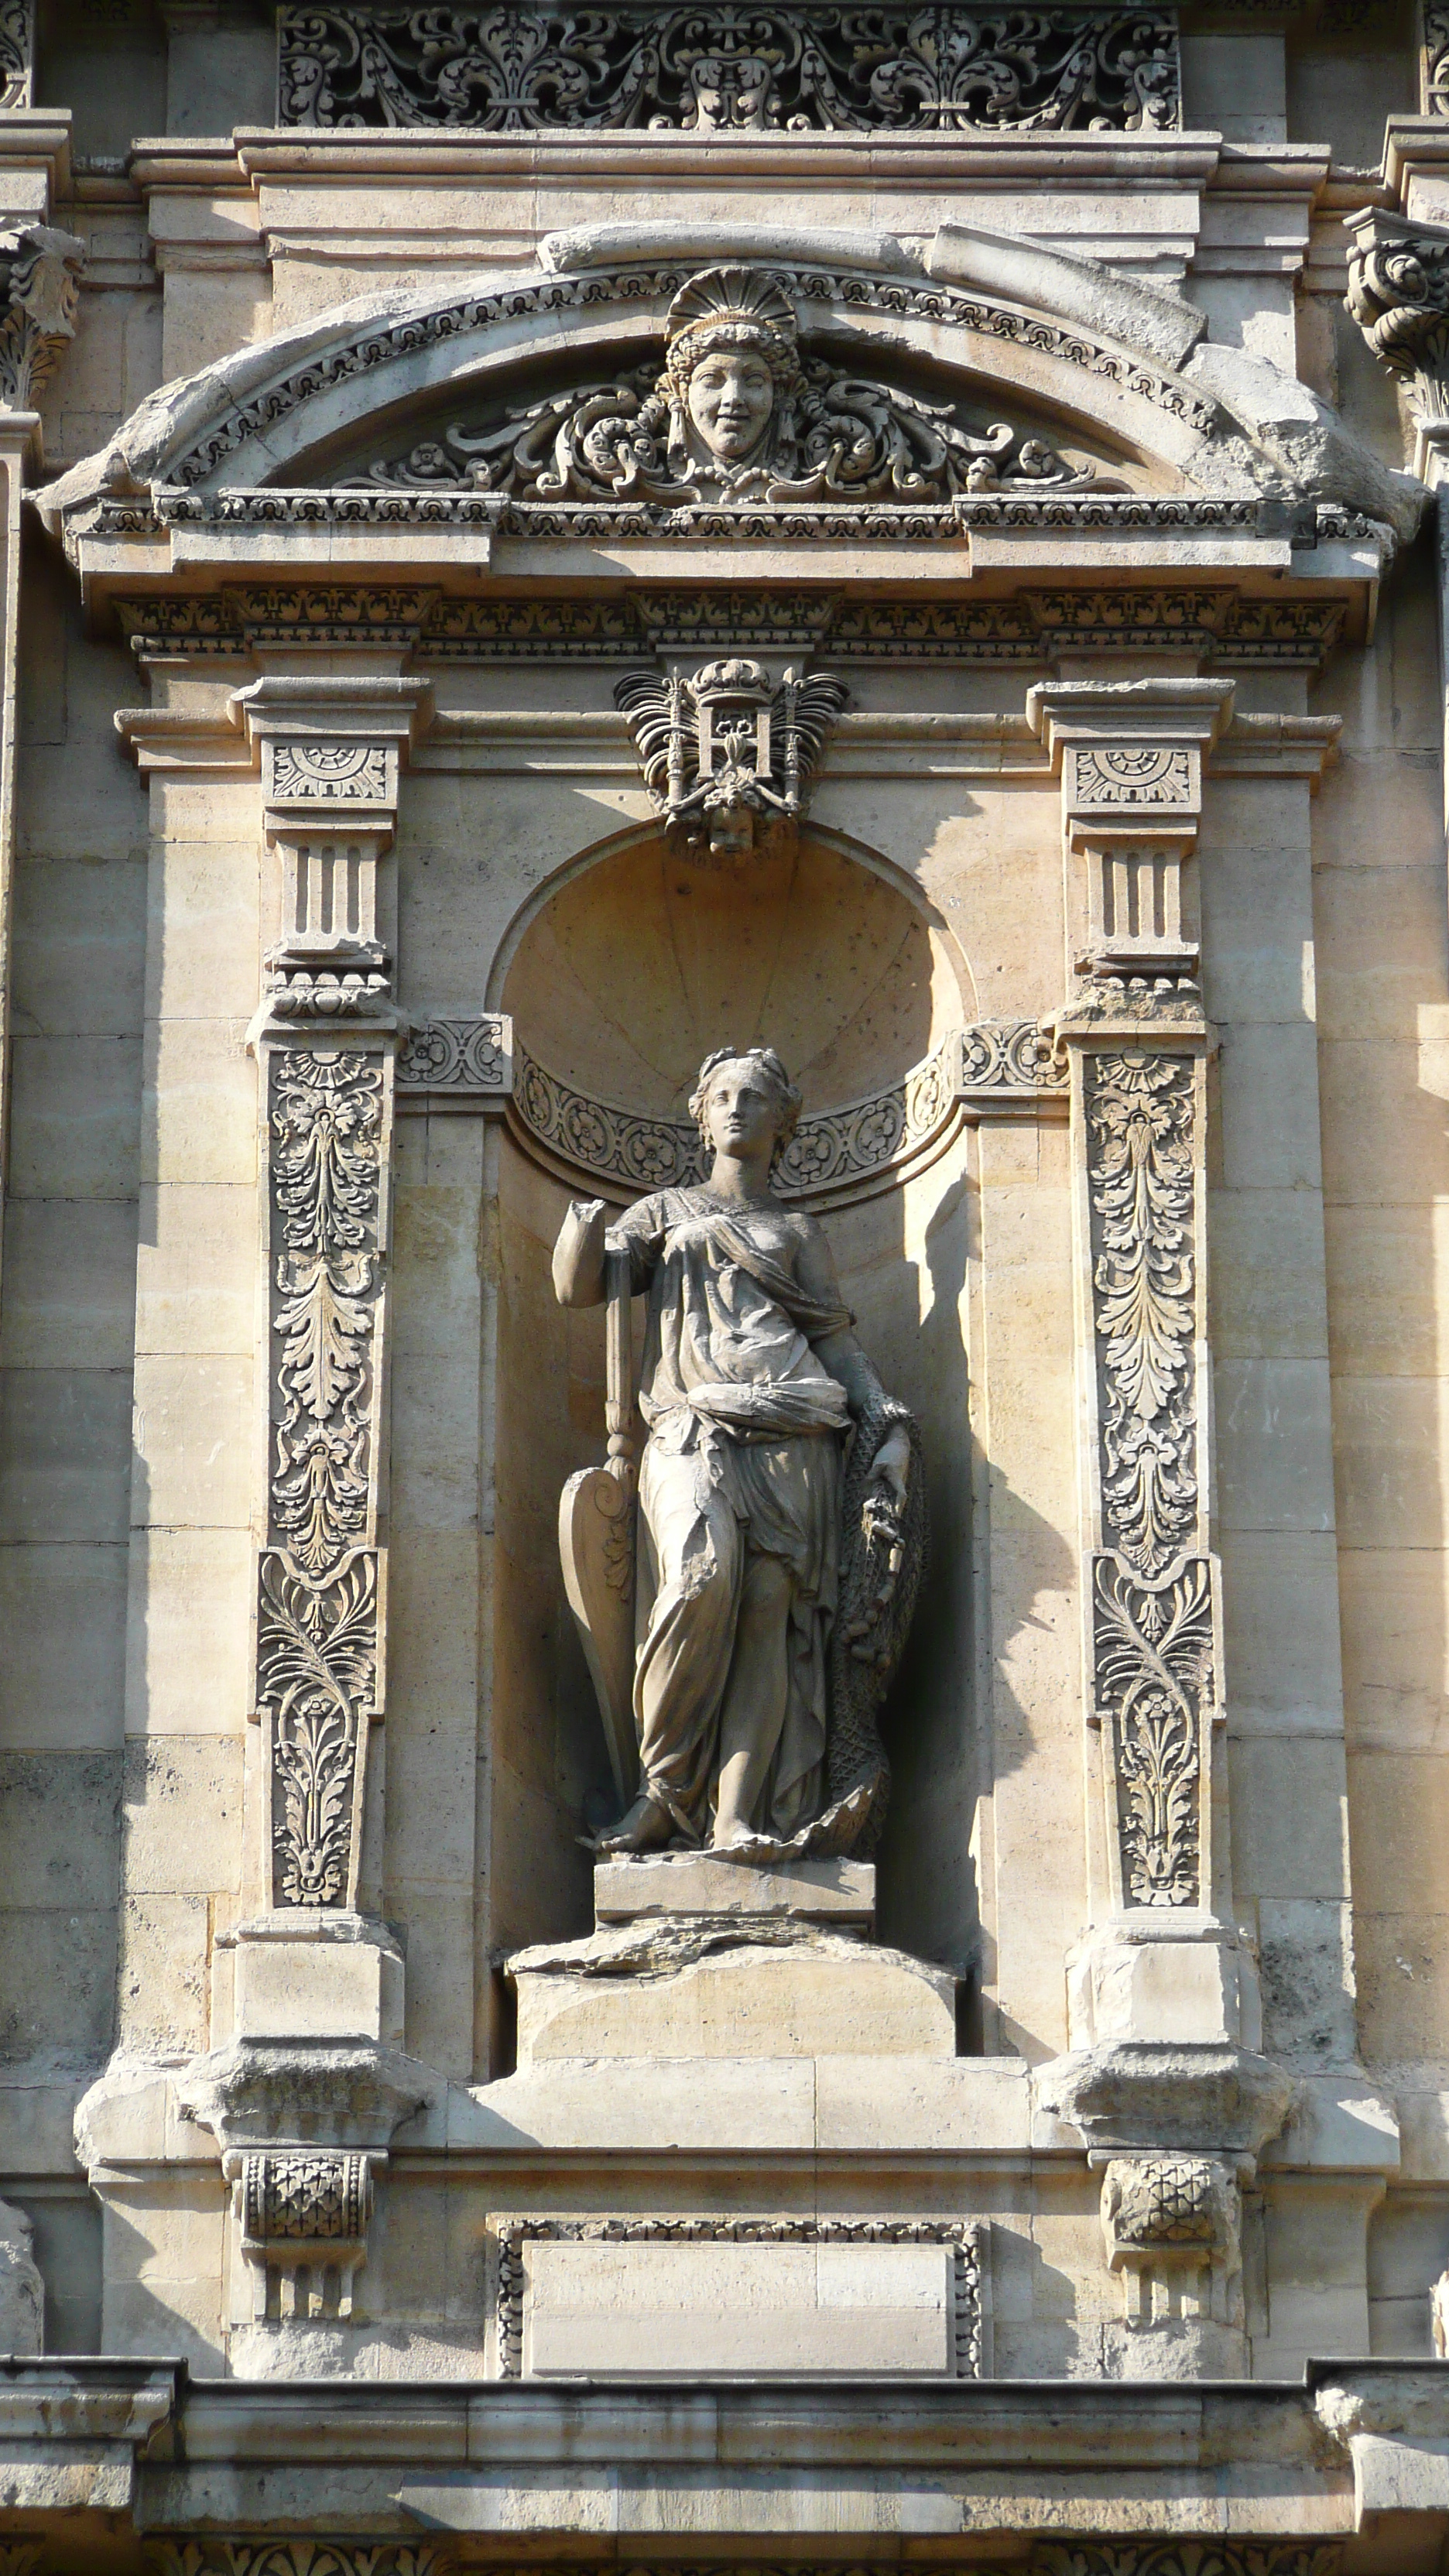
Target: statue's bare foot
x: 729, y: 1830
x: 647, y: 1827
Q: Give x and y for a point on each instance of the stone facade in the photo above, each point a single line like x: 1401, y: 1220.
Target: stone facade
x: 539, y: 551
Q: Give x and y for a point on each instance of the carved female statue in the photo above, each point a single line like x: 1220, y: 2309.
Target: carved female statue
x: 775, y: 1584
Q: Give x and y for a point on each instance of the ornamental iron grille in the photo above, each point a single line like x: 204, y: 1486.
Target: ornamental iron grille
x: 735, y: 68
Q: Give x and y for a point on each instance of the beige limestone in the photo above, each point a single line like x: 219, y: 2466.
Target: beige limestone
x: 757, y: 2310
x: 810, y: 2000
x: 837, y: 1893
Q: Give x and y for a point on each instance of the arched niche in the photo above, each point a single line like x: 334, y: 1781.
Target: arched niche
x: 630, y: 968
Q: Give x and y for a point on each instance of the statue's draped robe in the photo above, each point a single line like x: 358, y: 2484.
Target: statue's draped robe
x: 742, y: 1465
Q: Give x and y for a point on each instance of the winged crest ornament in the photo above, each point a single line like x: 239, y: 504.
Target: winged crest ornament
x: 727, y: 753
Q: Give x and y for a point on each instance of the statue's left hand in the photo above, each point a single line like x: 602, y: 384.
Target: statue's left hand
x: 893, y: 1463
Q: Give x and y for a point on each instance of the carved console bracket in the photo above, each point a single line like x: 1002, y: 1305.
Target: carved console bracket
x: 1172, y: 2227
x: 1398, y: 294
x: 302, y: 2218
x: 40, y: 274
x: 728, y: 751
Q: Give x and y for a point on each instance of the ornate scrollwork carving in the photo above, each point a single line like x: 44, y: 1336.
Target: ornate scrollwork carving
x: 738, y: 413
x: 1140, y: 1111
x: 379, y: 345
x: 1398, y: 294
x: 17, y: 52
x: 272, y: 2557
x: 1153, y: 1678
x: 458, y: 1055
x: 318, y: 1617
x: 317, y: 1664
x: 737, y: 68
x: 40, y: 271
x: 727, y: 755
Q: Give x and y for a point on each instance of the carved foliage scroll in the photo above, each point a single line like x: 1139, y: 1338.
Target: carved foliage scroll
x: 17, y: 52
x: 742, y: 69
x: 319, y: 1635
x: 1140, y: 1120
x: 1153, y: 1622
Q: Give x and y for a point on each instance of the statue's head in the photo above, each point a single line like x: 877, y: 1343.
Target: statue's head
x: 732, y: 358
x: 743, y: 1093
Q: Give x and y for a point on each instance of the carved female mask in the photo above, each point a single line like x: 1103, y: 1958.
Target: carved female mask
x: 730, y: 399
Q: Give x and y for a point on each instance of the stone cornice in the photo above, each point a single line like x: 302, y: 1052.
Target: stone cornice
x: 255, y: 154
x: 426, y: 2456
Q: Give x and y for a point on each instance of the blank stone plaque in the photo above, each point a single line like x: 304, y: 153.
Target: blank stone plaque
x: 716, y: 2307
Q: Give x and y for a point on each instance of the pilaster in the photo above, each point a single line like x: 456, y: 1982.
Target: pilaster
x: 303, y: 2101
x: 1162, y: 1995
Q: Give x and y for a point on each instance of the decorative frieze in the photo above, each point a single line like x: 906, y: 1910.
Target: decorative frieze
x: 309, y: 2557
x: 737, y: 70
x: 727, y: 752
x: 999, y: 1068
x: 459, y: 1059
x: 1032, y: 626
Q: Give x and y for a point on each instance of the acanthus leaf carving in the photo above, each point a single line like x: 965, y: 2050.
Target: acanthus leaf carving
x: 1153, y: 1680
x: 1398, y: 294
x: 317, y: 1672
x: 40, y: 270
x: 319, y: 1637
x: 740, y: 69
x: 1140, y: 1109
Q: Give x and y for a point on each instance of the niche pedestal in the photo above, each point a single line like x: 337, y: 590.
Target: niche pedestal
x: 694, y: 1956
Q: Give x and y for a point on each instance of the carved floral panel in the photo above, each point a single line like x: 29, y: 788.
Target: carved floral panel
x: 319, y: 1636
x: 735, y: 68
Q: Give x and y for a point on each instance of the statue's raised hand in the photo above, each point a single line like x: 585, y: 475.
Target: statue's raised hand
x: 578, y: 1255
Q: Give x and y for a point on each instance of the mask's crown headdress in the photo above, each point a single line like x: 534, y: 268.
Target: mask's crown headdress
x: 731, y: 308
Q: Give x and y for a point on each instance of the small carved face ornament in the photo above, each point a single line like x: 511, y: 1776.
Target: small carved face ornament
x: 731, y: 396
x: 743, y: 1112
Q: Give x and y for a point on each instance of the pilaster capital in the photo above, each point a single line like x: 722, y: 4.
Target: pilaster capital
x: 1129, y: 755
x: 331, y: 749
